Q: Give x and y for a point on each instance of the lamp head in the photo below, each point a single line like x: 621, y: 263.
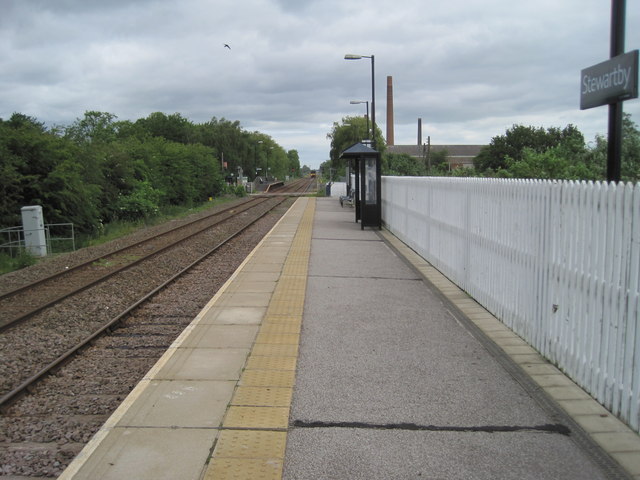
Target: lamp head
x: 349, y: 56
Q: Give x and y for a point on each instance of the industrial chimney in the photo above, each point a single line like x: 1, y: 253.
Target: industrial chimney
x: 419, y: 131
x: 390, y: 140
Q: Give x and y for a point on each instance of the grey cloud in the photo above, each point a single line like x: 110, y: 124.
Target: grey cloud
x: 468, y: 68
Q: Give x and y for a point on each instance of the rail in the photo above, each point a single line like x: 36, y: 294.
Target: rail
x: 113, y: 322
x: 109, y: 264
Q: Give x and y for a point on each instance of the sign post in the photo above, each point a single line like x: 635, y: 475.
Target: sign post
x: 611, y: 83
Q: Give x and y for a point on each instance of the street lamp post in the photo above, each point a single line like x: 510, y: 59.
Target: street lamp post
x: 255, y: 158
x: 373, y: 93
x: 267, y: 169
x: 357, y: 102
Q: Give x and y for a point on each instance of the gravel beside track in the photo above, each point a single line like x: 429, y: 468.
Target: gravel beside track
x: 57, y: 329
x: 42, y: 432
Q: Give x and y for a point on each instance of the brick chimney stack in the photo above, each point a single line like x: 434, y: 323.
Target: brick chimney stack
x: 390, y: 140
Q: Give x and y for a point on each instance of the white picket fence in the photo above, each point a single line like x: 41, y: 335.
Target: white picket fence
x: 558, y: 262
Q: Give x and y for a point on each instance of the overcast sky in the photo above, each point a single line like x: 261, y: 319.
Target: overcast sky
x: 469, y: 68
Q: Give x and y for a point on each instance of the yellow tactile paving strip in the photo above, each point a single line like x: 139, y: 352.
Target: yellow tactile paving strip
x: 254, y: 430
x: 615, y: 438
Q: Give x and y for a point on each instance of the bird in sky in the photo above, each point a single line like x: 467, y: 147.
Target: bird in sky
x: 226, y: 45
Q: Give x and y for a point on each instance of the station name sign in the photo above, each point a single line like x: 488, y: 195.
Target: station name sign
x: 609, y: 82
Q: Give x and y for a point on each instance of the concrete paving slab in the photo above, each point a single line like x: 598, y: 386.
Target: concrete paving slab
x: 122, y: 451
x: 266, y: 349
x: 253, y: 286
x: 205, y: 364
x: 273, y: 269
x: 629, y: 460
x: 600, y: 424
x: 256, y: 418
x: 224, y: 468
x: 262, y: 396
x: 568, y: 393
x: 247, y: 455
x: 221, y: 336
x: 257, y: 362
x: 583, y: 407
x: 267, y: 378
x: 251, y: 444
x: 235, y: 315
x: 554, y: 380
x: 247, y: 299
x: 163, y: 403
x: 260, y: 276
x: 276, y: 257
x: 528, y: 358
x: 619, y: 441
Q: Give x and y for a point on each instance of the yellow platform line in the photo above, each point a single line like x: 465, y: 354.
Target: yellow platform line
x: 254, y: 431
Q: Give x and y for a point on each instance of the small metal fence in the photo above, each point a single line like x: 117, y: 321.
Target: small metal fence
x: 60, y: 237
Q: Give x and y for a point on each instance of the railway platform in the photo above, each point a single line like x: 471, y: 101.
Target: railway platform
x: 337, y: 353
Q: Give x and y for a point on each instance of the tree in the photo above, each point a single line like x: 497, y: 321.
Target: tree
x: 558, y: 154
x: 293, y: 166
x: 40, y: 168
x: 231, y: 142
x: 402, y: 165
x: 630, y: 163
x: 506, y: 149
x: 95, y: 127
x: 343, y: 135
x: 99, y: 169
x: 142, y: 202
x: 13, y: 176
x: 554, y: 163
x: 172, y: 127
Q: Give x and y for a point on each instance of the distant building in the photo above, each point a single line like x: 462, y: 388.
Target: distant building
x: 458, y: 156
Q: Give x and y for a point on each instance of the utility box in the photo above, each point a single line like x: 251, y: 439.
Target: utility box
x: 35, y: 241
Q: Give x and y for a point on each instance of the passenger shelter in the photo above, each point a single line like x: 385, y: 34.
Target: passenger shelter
x: 365, y: 163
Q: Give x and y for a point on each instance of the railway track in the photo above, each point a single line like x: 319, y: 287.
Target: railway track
x: 45, y: 429
x: 22, y: 302
x: 48, y: 325
x: 27, y: 300
x: 48, y: 332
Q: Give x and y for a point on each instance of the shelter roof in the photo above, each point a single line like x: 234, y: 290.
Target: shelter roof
x: 358, y: 150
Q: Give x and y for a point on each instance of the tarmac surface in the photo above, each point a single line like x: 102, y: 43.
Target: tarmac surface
x: 338, y: 353
x: 392, y: 384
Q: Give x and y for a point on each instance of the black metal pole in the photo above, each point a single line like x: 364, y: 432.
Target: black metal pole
x: 367, y: 118
x: 614, y: 145
x: 373, y: 102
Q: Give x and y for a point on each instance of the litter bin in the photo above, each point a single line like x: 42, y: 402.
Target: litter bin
x: 328, y: 190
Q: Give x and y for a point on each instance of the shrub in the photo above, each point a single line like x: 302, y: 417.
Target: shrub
x: 141, y: 203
